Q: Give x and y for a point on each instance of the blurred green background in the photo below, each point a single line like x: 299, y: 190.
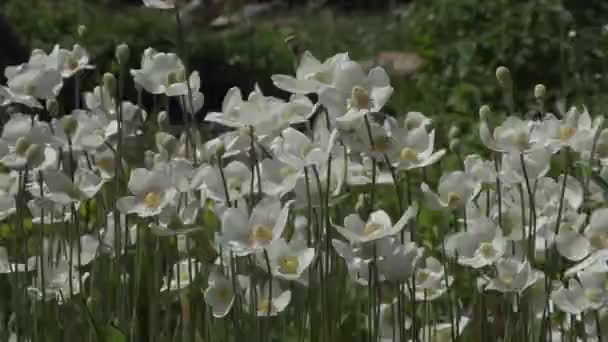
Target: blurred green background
x: 441, y: 54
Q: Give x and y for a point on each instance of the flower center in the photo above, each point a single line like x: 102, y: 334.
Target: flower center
x: 487, y: 250
x: 22, y: 145
x: 264, y: 306
x: 422, y: 277
x: 105, y: 164
x: 520, y: 140
x: 152, y: 200
x: 360, y: 98
x: 565, y: 133
x: 408, y: 154
x: 288, y: 264
x: 599, y: 241
x: 225, y: 295
x: 371, y: 228
x: 261, y: 234
x: 507, y: 279
x: 454, y: 199
x: 593, y: 295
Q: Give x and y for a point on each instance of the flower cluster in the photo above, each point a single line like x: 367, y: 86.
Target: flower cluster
x: 318, y: 213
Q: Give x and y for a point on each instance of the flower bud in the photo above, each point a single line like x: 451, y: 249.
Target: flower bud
x: 540, y: 91
x: 69, y: 125
x: 82, y: 30
x: 454, y: 132
x: 122, y: 54
x: 484, y: 112
x: 22, y: 145
x: 454, y: 145
x: 52, y: 106
x: 166, y: 141
x: 162, y: 120
x: 149, y: 159
x: 109, y: 83
x: 34, y: 155
x: 503, y: 75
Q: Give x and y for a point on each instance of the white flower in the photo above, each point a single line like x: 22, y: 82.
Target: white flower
x: 378, y: 225
x: 455, y: 191
x: 288, y: 260
x: 431, y: 280
x: 245, y: 235
x: 395, y: 261
x: 536, y: 164
x: 220, y: 294
x: 571, y: 299
x: 278, y: 178
x: 236, y: 177
x: 513, y: 276
x: 311, y: 74
x: 597, y: 230
x: 569, y: 242
x: 152, y: 192
x: 354, y: 93
x: 414, y: 149
x: 297, y: 150
x: 481, y: 171
x: 38, y: 77
x: 159, y: 72
x: 271, y: 299
x: 514, y: 135
x: 60, y: 189
x: 67, y: 62
x: 481, y: 245
x: 575, y: 130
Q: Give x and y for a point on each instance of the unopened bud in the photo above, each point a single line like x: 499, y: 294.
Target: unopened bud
x: 109, y: 83
x: 166, y: 141
x: 34, y: 155
x: 454, y: 144
x: 82, y: 30
x: 122, y: 54
x: 52, y: 106
x: 22, y: 145
x: 149, y: 159
x: 162, y: 120
x: 69, y: 125
x: 503, y: 75
x: 454, y: 132
x: 540, y: 91
x: 484, y: 112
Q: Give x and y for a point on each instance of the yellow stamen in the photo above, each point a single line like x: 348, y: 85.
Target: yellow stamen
x: 152, y: 200
x: 566, y: 132
x: 408, y: 154
x: 288, y: 264
x: 454, y: 199
x: 261, y: 234
x: 360, y: 98
x: 371, y: 228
